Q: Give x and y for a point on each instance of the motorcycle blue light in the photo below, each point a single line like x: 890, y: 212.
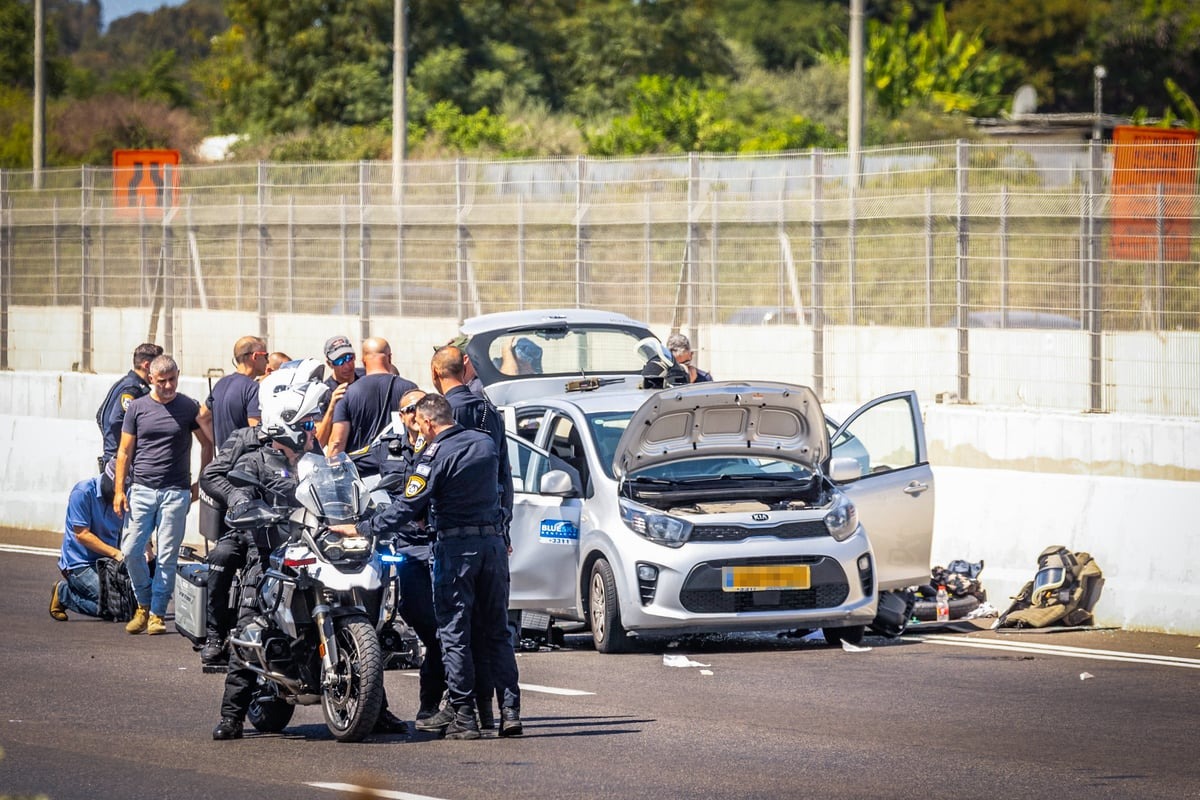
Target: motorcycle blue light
x: 392, y: 559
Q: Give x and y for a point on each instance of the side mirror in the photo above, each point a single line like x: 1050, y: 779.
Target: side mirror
x: 557, y: 483
x: 389, y: 482
x: 844, y: 469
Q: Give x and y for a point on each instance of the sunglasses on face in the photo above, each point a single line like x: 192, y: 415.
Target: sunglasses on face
x: 308, y: 424
x: 408, y: 409
x: 340, y: 360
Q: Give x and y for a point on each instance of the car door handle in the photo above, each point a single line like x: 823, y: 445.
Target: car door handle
x: 915, y: 487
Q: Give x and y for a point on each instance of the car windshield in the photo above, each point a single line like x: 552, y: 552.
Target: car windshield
x: 551, y: 350
x: 606, y: 432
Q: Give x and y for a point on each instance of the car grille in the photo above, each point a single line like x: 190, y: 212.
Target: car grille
x: 702, y: 594
x: 733, y: 533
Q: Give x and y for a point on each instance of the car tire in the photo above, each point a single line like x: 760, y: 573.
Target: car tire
x: 926, y: 610
x: 850, y: 634
x: 604, y: 610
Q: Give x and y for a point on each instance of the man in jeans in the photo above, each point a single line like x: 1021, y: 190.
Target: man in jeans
x: 92, y: 531
x: 153, y: 486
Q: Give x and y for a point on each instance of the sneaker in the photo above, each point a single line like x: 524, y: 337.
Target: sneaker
x: 228, y: 728
x: 155, y: 625
x: 510, y: 722
x: 141, y: 618
x: 437, y: 722
x: 389, y: 723
x: 464, y: 725
x: 213, y: 651
x: 57, y: 610
x: 425, y: 712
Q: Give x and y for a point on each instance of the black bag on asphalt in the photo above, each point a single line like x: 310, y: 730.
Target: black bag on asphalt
x: 117, y: 601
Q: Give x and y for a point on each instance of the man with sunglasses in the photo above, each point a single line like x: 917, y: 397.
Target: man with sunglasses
x: 344, y: 370
x: 234, y: 398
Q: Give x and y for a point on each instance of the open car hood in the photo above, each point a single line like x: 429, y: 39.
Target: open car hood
x: 725, y: 418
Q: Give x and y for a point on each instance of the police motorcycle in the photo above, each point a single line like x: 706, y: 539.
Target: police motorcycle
x: 319, y: 602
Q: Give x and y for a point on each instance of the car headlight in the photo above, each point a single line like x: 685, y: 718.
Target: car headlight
x: 842, y: 519
x: 659, y: 528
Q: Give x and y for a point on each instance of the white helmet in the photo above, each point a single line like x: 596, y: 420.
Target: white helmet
x: 285, y: 411
x: 292, y: 373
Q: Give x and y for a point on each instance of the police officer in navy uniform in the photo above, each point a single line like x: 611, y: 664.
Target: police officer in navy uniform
x: 449, y: 373
x: 455, y: 485
x: 400, y: 453
x: 131, y: 386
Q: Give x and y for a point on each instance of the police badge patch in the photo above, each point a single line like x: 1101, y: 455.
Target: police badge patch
x: 415, y: 485
x: 125, y: 400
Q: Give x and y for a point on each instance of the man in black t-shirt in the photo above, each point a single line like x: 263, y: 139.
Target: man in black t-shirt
x: 344, y: 370
x: 367, y: 406
x: 234, y: 398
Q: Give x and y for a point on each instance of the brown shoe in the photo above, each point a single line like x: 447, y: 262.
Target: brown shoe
x: 140, y: 619
x: 155, y: 625
x: 57, y: 609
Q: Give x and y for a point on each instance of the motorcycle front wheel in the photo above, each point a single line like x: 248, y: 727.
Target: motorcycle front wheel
x: 353, y: 695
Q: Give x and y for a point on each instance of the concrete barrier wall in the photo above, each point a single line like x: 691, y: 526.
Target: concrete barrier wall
x: 1009, y: 482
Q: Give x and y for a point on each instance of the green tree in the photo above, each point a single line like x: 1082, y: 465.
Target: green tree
x: 784, y: 34
x: 952, y: 69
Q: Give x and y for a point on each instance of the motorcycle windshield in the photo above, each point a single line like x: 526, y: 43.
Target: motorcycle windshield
x: 330, y: 487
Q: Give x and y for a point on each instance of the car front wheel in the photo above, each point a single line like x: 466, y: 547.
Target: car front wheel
x: 605, y: 611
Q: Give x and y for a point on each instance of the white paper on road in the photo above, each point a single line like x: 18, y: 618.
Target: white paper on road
x: 1083, y: 676
x: 681, y: 661
x: 855, y: 648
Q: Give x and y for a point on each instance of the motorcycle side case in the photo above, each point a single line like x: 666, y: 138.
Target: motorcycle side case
x: 191, y: 601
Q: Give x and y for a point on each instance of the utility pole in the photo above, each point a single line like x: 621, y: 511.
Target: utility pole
x: 39, y: 92
x: 399, y: 95
x: 855, y: 111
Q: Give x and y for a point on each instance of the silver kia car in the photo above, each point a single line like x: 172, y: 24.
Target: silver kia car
x: 645, y: 505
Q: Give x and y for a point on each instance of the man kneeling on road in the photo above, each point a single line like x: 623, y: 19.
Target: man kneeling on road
x: 93, y: 531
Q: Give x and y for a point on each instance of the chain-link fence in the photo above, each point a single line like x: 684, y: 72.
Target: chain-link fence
x: 960, y: 236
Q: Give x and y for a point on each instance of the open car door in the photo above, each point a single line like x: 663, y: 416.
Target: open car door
x: 894, y: 493
x: 544, y: 529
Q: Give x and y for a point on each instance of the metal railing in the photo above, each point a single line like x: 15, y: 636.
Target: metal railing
x: 958, y: 235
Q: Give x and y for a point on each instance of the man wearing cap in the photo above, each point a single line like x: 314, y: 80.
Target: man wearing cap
x: 92, y: 531
x: 132, y: 385
x: 369, y: 402
x: 339, y: 356
x: 234, y: 398
x: 681, y: 350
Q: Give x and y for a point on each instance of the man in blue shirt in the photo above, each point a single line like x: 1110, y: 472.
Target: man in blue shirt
x: 234, y: 398
x: 92, y: 531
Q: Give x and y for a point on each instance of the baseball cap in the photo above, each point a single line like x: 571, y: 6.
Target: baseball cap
x: 338, y: 346
x: 459, y: 341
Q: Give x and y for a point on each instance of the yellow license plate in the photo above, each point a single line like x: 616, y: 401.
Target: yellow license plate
x: 757, y: 579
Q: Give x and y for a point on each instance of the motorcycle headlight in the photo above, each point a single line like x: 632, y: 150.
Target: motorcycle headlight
x: 659, y: 528
x: 842, y: 519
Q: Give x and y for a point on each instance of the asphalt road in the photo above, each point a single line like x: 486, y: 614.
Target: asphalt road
x: 87, y: 711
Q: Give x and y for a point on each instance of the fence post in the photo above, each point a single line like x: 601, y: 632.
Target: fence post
x: 581, y: 272
x: 520, y: 250
x: 291, y: 254
x: 364, y: 255
x: 1160, y: 286
x: 264, y: 238
x: 239, y: 245
x: 852, y: 244
x: 818, y: 273
x: 929, y: 257
x: 1096, y: 371
x: 713, y: 255
x: 86, y: 281
x: 693, y: 238
x: 1004, y: 277
x: 460, y: 245
x: 166, y: 255
x: 961, y: 271
x: 648, y: 248
x: 56, y: 283
x: 5, y: 266
x: 344, y: 252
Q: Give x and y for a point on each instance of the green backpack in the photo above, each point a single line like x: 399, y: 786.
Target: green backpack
x: 1063, y: 592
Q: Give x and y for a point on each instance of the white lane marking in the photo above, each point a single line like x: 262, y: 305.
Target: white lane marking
x: 533, y: 687
x: 30, y: 551
x: 1067, y: 652
x: 528, y: 687
x: 367, y: 791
